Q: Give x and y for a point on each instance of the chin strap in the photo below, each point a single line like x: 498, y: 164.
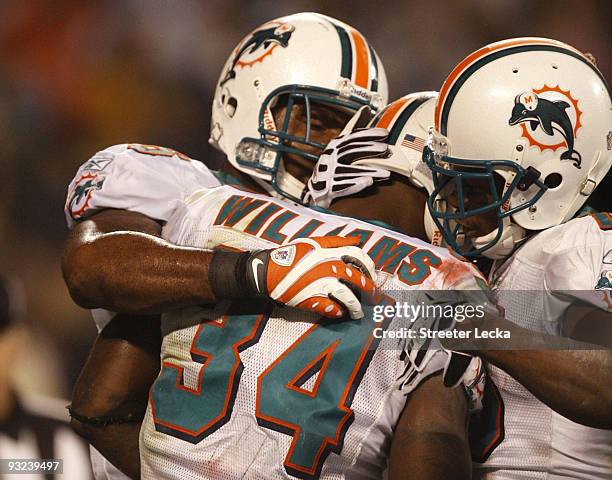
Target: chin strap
x: 267, y: 186
x: 285, y: 182
x: 431, y: 229
x: 512, y: 234
x: 288, y: 183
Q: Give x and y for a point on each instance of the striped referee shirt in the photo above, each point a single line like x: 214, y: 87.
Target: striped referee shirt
x: 38, y: 429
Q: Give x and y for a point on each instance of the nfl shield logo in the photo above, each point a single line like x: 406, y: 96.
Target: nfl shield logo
x: 283, y: 256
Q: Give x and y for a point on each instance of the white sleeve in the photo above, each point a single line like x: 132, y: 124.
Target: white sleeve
x: 140, y: 178
x: 583, y: 270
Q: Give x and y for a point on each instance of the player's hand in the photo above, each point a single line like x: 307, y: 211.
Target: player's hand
x: 338, y: 172
x: 324, y: 275
x: 472, y: 378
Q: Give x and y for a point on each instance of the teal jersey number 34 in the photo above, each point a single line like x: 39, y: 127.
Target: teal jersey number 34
x: 316, y: 418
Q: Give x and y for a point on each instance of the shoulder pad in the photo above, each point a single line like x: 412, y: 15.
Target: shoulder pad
x: 571, y: 254
x: 146, y: 179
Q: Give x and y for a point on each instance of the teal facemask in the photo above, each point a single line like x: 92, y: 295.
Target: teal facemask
x: 447, y: 170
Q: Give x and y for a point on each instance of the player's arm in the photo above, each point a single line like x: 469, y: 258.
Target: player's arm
x: 116, y: 260
x: 430, y: 440
x: 575, y: 383
x: 110, y: 396
x: 572, y: 377
x: 116, y: 206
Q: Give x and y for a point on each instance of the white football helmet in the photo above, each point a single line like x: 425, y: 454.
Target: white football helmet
x: 408, y: 120
x: 306, y: 59
x: 533, y: 111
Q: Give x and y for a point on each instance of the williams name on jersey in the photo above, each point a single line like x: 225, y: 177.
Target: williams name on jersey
x: 256, y: 392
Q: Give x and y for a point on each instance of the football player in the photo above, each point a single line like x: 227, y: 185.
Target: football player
x: 135, y: 184
x: 304, y: 389
x: 513, y: 177
x: 513, y: 160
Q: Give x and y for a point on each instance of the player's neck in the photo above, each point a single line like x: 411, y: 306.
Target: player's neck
x: 242, y: 177
x: 396, y: 202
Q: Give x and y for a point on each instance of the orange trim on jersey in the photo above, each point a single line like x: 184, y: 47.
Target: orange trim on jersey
x: 395, y: 248
x: 327, y: 355
x: 391, y: 112
x: 198, y: 391
x: 362, y: 59
x: 484, y: 51
x: 348, y: 411
x: 384, y: 266
x: 498, y: 423
x: 157, y: 151
x: 598, y: 218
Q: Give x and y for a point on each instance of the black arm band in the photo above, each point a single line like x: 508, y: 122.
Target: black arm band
x: 227, y: 275
x: 106, y: 420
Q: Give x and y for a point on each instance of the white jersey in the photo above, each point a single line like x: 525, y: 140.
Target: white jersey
x: 553, y: 269
x: 140, y: 178
x: 280, y: 394
x: 270, y: 394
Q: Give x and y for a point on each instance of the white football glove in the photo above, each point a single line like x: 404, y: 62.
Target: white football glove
x: 320, y: 274
x: 457, y: 369
x: 425, y: 356
x: 336, y: 174
x: 474, y: 381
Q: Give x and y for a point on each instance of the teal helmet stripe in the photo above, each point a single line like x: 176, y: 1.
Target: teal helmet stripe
x: 347, y: 52
x: 500, y: 54
x: 378, y: 116
x: 403, y: 118
x: 374, y: 82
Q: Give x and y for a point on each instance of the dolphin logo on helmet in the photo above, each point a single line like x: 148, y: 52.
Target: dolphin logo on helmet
x: 269, y: 75
x: 549, y: 115
x: 275, y: 35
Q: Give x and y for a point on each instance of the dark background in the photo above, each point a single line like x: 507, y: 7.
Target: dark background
x: 80, y: 75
